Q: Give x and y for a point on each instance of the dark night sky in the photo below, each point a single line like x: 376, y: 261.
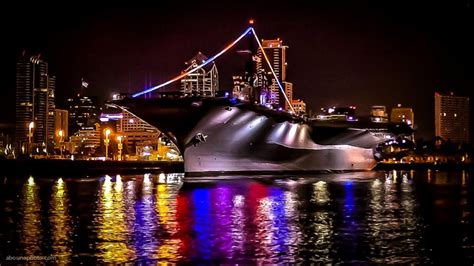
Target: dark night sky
x: 362, y: 54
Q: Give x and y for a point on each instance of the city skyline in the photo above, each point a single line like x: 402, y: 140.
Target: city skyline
x: 352, y: 55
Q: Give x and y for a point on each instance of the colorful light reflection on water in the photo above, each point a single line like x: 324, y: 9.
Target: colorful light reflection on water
x: 392, y: 217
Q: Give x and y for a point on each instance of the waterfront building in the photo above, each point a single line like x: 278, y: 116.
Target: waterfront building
x: 452, y: 117
x: 135, y: 131
x: 34, y: 104
x: 299, y: 106
x: 83, y: 112
x: 86, y: 138
x: 142, y: 140
x: 401, y: 114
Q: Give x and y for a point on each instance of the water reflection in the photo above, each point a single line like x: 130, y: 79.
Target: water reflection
x: 60, y: 220
x: 384, y: 217
x: 31, y: 231
x: 239, y: 221
x: 222, y: 216
x: 145, y: 227
x: 393, y: 227
x: 202, y: 226
x: 166, y: 209
x: 112, y: 231
x: 320, y: 236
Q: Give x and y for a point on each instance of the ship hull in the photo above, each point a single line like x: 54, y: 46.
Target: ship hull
x: 244, y: 141
x: 222, y: 137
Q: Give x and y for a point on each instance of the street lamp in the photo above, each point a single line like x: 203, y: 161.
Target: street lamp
x: 106, y: 142
x: 120, y: 146
x: 60, y: 133
x: 159, y: 148
x: 31, y: 126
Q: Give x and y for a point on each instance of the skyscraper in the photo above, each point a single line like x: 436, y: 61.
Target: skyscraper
x: 203, y: 82
x: 452, y: 117
x: 276, y: 53
x: 289, y: 94
x: 34, y: 117
x: 83, y: 112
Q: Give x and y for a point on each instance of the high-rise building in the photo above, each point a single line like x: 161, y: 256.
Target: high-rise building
x: 403, y: 115
x: 299, y: 106
x: 83, y: 112
x: 61, y: 125
x: 452, y: 117
x: 34, y: 102
x: 203, y: 82
x: 289, y: 94
x: 276, y: 53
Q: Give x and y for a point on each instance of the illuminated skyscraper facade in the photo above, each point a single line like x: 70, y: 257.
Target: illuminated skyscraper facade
x: 34, y: 103
x: 276, y: 53
x: 83, y: 112
x: 452, y: 117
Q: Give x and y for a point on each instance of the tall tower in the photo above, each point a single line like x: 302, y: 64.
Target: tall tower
x: 34, y: 104
x: 276, y: 53
x: 452, y: 117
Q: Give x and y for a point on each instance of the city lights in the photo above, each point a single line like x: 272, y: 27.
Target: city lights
x: 120, y: 147
x: 31, y: 126
x: 170, y: 156
x: 61, y: 133
x: 106, y: 142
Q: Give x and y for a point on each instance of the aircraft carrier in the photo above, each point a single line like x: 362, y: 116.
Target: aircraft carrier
x: 225, y: 136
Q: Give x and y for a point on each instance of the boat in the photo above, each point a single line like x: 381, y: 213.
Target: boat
x: 222, y: 136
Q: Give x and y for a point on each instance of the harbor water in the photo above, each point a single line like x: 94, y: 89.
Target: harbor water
x: 367, y: 217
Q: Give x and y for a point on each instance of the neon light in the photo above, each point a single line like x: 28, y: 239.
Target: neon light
x: 249, y: 29
x: 271, y: 68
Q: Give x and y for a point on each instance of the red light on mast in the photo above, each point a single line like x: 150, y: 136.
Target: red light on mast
x: 251, y: 21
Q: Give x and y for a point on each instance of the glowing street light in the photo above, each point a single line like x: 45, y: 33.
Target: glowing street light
x: 120, y: 146
x: 106, y: 142
x: 61, y: 133
x: 31, y: 126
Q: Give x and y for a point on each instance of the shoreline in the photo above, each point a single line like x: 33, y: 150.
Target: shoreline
x: 44, y: 167
x: 424, y: 166
x: 86, y: 167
